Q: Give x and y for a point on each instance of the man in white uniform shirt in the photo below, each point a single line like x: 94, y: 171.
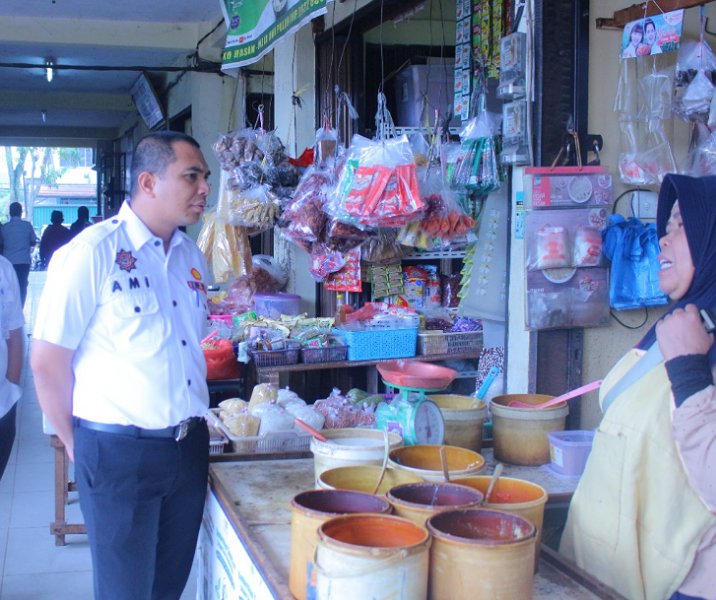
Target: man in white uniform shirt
x: 120, y: 373
x: 11, y: 347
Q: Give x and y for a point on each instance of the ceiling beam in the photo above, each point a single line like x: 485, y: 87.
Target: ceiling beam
x: 75, y: 101
x: 48, y: 135
x: 638, y: 11
x: 132, y: 34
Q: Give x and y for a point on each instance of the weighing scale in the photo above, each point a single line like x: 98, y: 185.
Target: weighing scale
x: 412, y: 416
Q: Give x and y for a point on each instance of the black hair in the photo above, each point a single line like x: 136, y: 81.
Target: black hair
x: 648, y: 22
x: 15, y: 209
x: 57, y: 217
x: 154, y: 153
x: 83, y: 213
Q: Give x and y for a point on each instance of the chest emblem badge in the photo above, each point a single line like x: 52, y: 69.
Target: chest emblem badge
x: 125, y: 260
x: 195, y: 273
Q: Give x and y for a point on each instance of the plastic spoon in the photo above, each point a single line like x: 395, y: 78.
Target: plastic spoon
x: 314, y: 432
x: 495, y: 476
x: 443, y: 464
x: 386, y: 437
x: 563, y: 398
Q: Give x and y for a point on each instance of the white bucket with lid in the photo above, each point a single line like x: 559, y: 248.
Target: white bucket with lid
x: 350, y: 447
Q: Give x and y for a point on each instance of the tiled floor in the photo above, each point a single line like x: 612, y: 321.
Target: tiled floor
x: 31, y: 566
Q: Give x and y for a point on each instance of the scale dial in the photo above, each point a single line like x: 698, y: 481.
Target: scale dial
x: 428, y: 424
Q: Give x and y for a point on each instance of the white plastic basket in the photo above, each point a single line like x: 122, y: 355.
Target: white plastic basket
x: 278, y: 442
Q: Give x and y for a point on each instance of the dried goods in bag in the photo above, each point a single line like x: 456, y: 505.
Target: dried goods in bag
x: 378, y: 186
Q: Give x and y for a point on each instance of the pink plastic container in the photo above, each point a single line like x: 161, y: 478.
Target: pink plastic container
x: 275, y: 305
x: 569, y: 450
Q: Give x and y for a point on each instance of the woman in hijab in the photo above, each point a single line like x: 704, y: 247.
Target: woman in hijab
x: 642, y: 518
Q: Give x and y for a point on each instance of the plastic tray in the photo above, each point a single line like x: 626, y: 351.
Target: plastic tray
x: 449, y: 342
x: 417, y: 375
x: 321, y: 355
x: 376, y: 344
x: 282, y: 441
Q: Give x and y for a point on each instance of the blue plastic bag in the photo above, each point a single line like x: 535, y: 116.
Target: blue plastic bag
x: 633, y: 249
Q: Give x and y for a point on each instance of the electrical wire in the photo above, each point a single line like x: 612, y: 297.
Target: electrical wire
x: 623, y: 324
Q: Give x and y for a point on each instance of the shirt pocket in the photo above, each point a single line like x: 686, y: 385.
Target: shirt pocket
x: 138, y: 324
x: 602, y: 487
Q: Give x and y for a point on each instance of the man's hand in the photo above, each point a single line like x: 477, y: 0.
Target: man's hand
x: 682, y: 332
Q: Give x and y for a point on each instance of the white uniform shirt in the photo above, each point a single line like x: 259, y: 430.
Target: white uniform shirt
x: 10, y: 318
x: 135, y: 317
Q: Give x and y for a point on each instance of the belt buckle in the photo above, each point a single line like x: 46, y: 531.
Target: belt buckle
x: 183, y: 429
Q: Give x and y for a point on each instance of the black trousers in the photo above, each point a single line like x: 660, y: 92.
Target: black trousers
x: 23, y: 275
x: 142, y: 501
x: 7, y: 436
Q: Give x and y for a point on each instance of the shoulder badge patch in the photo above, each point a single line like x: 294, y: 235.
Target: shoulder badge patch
x: 125, y: 260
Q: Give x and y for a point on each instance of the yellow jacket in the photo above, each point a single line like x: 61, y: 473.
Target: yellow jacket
x: 634, y: 521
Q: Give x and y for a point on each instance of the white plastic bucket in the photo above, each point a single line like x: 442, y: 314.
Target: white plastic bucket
x: 350, y: 447
x: 372, y: 556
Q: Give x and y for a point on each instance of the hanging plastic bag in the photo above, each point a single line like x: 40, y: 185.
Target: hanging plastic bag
x: 694, y: 86
x: 633, y: 249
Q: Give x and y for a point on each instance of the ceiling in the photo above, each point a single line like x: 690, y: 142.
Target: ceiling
x: 91, y: 104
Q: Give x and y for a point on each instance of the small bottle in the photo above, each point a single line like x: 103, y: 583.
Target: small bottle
x: 340, y: 315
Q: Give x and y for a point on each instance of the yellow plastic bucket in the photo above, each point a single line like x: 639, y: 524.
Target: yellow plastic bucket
x: 308, y: 511
x: 363, y: 478
x: 424, y: 461
x: 464, y: 418
x: 515, y: 496
x: 372, y: 556
x: 350, y: 447
x: 520, y: 434
x: 481, y: 553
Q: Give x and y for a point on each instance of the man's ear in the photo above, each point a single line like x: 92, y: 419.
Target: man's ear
x: 146, y: 182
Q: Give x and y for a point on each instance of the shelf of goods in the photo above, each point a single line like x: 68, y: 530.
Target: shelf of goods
x: 271, y: 374
x: 247, y: 545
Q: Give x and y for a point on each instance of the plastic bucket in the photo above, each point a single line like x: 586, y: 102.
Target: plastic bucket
x: 515, y: 496
x: 481, y: 553
x: 363, y: 479
x: 424, y: 461
x: 372, y: 556
x: 350, y: 447
x: 520, y: 434
x: 464, y: 418
x: 569, y: 451
x: 308, y: 511
x: 420, y: 501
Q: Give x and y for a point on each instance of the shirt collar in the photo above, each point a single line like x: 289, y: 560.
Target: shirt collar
x: 138, y: 232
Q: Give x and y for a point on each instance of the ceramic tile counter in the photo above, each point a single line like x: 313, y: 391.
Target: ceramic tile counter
x: 244, y: 545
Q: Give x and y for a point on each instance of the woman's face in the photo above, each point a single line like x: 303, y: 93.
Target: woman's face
x: 677, y: 266
x: 635, y: 36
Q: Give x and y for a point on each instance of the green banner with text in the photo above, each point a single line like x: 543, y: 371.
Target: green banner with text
x: 255, y: 26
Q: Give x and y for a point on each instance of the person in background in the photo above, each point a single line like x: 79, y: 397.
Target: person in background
x: 82, y: 221
x: 18, y: 239
x: 11, y: 353
x: 54, y: 236
x: 642, y: 519
x: 120, y: 373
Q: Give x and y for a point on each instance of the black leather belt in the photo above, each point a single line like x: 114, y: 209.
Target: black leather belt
x: 177, y: 432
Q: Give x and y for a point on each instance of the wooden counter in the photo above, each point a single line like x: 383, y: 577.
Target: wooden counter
x: 245, y: 539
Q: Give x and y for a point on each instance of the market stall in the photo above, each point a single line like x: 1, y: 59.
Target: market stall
x: 245, y: 539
